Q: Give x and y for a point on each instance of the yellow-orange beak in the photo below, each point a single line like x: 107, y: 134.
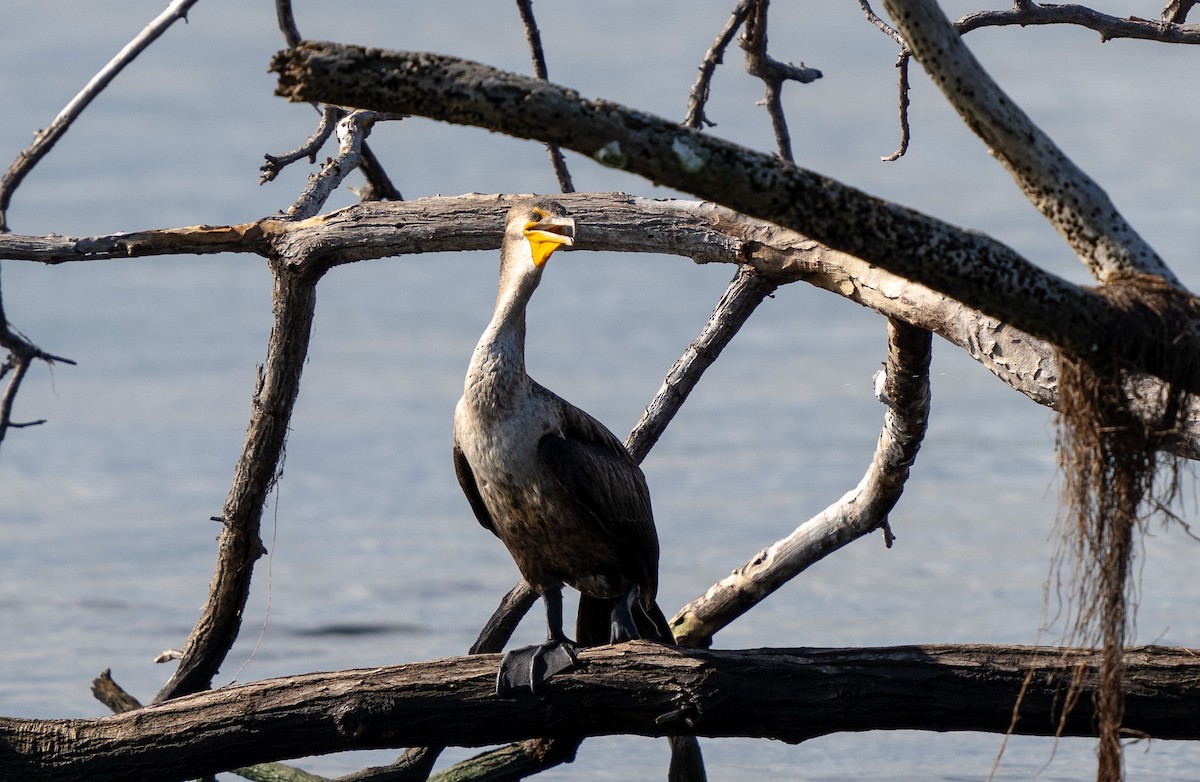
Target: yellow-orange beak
x: 547, y: 234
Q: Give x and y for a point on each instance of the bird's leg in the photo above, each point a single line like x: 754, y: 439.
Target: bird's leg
x: 532, y: 666
x: 623, y: 627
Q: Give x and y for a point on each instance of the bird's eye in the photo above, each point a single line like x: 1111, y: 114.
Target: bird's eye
x: 542, y: 213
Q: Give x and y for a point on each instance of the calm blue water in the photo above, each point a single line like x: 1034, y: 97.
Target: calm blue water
x: 106, y: 549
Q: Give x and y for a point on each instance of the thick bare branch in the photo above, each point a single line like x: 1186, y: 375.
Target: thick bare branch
x: 704, y: 232
x: 637, y: 688
x: 1067, y: 197
x: 904, y: 387
x: 973, y: 268
x: 258, y: 466
x: 1176, y: 11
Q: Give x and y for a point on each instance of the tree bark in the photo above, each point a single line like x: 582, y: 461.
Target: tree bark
x: 637, y: 688
x: 705, y: 232
x: 239, y: 545
x: 973, y: 268
x: 1071, y: 201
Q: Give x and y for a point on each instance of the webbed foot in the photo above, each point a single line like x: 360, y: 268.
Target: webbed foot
x: 530, y: 667
x: 623, y: 628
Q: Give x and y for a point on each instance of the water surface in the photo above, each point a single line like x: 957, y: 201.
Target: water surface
x: 105, y: 545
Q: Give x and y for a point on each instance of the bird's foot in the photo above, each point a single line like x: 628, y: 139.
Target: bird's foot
x: 621, y: 631
x: 622, y: 627
x: 530, y: 667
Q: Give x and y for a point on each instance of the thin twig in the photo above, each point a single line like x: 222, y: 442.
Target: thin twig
x: 309, y: 149
x: 352, y: 131
x: 45, y: 140
x: 712, y: 58
x: 902, y: 63
x: 287, y: 23
x: 534, y: 37
x: 21, y: 354
x: 18, y: 366
x: 883, y: 26
x: 773, y: 74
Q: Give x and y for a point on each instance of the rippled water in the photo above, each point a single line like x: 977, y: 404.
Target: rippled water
x: 106, y: 549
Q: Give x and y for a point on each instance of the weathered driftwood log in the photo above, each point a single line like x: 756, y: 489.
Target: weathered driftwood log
x: 638, y: 688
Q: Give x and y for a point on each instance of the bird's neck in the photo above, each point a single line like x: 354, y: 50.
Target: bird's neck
x: 497, y: 375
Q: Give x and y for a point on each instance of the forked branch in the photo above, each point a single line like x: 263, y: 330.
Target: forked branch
x: 1071, y: 201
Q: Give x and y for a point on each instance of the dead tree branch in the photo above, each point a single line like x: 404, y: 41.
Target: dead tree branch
x: 258, y: 467
x: 22, y: 352
x: 636, y: 688
x: 352, y: 131
x: 286, y: 20
x: 1176, y: 11
x: 534, y: 37
x: 21, y: 355
x: 746, y: 291
x: 309, y: 149
x: 904, y: 388
x: 45, y: 140
x: 704, y: 232
x: 772, y: 73
x: 1170, y: 29
x: 1071, y: 201
x: 977, y: 270
x: 379, y: 184
x: 708, y: 66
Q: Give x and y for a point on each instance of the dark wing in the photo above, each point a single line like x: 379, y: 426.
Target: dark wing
x: 592, y: 465
x: 466, y: 479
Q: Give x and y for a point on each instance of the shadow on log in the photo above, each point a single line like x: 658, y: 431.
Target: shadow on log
x: 636, y: 688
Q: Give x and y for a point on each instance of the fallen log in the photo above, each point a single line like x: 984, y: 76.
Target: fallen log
x: 635, y: 688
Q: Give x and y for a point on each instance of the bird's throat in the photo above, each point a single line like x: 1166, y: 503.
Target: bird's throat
x: 497, y: 375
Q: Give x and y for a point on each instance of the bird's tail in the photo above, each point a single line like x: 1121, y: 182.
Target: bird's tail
x: 594, y: 622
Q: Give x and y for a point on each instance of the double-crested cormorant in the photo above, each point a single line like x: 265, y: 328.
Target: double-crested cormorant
x: 556, y: 486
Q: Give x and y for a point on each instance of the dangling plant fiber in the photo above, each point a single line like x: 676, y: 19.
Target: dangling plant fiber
x: 1115, y: 479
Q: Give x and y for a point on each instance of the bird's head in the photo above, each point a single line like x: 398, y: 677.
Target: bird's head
x: 543, y: 225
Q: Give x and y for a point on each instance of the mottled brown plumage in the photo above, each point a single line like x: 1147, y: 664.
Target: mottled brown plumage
x: 550, y: 481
